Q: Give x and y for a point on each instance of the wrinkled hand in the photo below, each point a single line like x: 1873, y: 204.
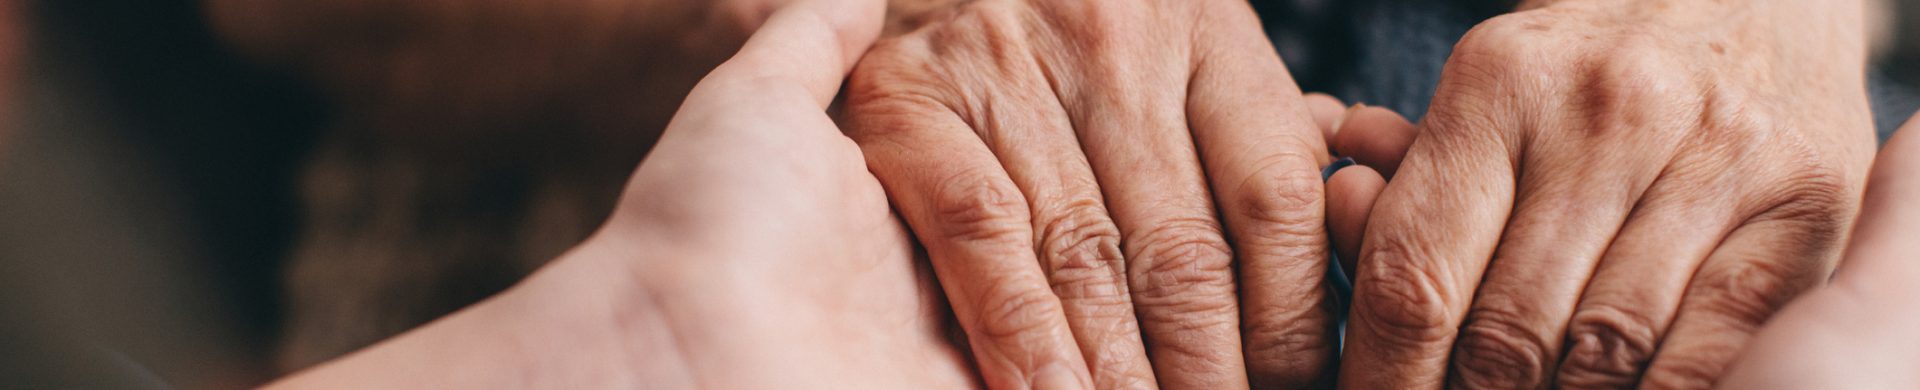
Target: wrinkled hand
x: 1061, y: 160
x: 762, y: 244
x: 1606, y: 194
x: 1861, y: 331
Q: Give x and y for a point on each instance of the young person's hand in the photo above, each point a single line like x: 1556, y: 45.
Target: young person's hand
x: 1863, y: 330
x: 752, y: 249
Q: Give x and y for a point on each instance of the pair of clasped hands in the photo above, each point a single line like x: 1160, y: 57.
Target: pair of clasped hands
x: 1128, y: 194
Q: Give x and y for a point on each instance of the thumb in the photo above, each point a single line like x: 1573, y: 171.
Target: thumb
x: 810, y: 44
x: 1376, y: 138
x: 1351, y: 192
x: 1882, y: 253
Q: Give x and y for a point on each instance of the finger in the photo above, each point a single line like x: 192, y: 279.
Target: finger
x: 1351, y: 193
x: 1079, y: 245
x: 1858, y: 331
x: 1753, y: 273
x: 810, y: 44
x: 1566, y: 213
x: 1263, y: 154
x: 1326, y: 111
x: 773, y: 94
x: 1636, y: 289
x: 1375, y: 137
x: 1129, y: 117
x: 1427, y: 243
x: 974, y: 224
x: 1880, y: 255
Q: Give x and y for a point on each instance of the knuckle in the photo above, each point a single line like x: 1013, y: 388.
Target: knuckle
x: 1013, y: 312
x: 974, y: 206
x: 1634, y: 88
x: 994, y: 32
x: 1081, y: 250
x: 1091, y: 25
x: 1495, y: 352
x: 1179, y: 261
x: 1818, y: 198
x: 1609, y: 347
x: 1284, y: 202
x: 1402, y: 300
x: 1511, y: 39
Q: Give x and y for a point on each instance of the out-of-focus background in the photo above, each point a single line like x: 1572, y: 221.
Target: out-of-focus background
x: 148, y: 191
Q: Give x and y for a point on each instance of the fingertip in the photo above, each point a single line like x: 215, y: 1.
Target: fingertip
x: 1376, y: 137
x: 811, y: 43
x: 1350, y: 196
x: 1326, y: 111
x: 857, y: 24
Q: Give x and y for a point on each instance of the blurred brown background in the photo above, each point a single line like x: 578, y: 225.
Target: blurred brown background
x: 147, y: 193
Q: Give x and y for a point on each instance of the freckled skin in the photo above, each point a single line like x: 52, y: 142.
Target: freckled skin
x: 1611, y: 196
x: 1147, y: 162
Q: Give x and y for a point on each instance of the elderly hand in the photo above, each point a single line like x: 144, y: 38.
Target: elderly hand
x: 1862, y: 331
x: 1061, y: 161
x: 752, y: 250
x: 1606, y: 194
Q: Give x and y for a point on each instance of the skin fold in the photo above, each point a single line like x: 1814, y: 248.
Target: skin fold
x: 1608, y: 196
x: 1109, y: 193
x: 1858, y: 331
x: 1077, y: 170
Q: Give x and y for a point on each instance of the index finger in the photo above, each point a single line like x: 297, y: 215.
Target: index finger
x: 1428, y: 241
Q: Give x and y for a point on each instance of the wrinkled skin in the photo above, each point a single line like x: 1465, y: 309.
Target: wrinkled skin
x: 1608, y: 194
x: 751, y: 250
x: 1062, y: 161
x: 1858, y: 332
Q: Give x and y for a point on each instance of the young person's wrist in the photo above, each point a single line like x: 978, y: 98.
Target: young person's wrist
x: 579, y: 322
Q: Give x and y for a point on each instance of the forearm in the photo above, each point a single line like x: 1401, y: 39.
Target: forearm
x: 571, y: 325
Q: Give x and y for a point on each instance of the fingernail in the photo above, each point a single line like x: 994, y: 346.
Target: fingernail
x: 1056, y: 377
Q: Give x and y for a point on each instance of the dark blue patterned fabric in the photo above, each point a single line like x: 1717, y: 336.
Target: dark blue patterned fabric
x: 1389, y: 52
